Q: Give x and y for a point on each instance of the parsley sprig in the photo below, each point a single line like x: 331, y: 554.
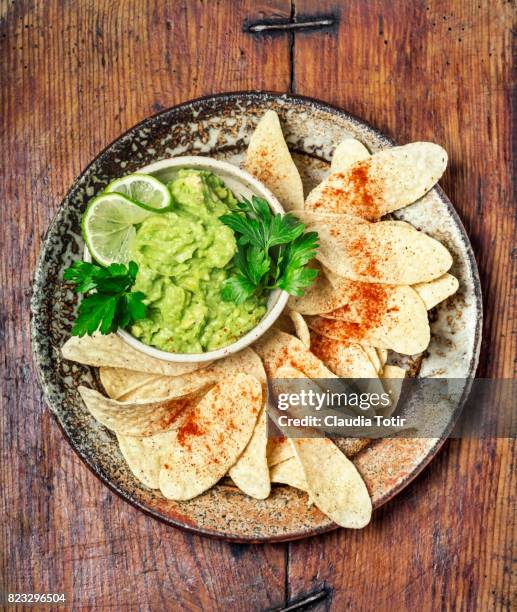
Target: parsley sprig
x: 109, y: 304
x: 272, y: 252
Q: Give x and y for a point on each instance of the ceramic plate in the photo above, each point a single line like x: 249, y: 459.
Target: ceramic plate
x: 220, y: 127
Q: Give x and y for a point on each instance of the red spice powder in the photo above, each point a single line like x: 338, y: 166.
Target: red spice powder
x: 281, y: 359
x: 188, y: 429
x: 343, y: 311
x: 336, y: 194
x: 365, y: 310
x: 365, y: 191
x: 367, y: 257
x: 343, y: 330
x: 354, y: 191
x: 262, y: 167
x: 333, y: 354
x: 326, y: 350
x: 177, y: 406
x: 294, y: 363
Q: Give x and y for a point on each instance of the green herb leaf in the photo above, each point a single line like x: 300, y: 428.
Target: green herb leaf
x: 248, y: 229
x: 94, y: 310
x: 302, y: 250
x: 295, y: 280
x: 135, y: 305
x: 261, y: 210
x: 262, y: 213
x: 258, y: 264
x: 272, y: 251
x: 109, y: 304
x: 237, y: 289
x: 132, y: 269
x: 114, y: 284
x: 84, y: 275
x: 285, y: 229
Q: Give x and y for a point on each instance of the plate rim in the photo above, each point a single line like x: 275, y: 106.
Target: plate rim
x: 262, y: 96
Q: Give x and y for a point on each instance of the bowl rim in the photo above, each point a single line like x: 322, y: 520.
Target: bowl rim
x: 280, y: 297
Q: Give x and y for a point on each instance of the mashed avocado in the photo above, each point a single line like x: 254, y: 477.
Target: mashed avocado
x: 184, y: 257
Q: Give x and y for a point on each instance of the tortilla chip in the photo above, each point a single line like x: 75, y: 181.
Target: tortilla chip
x: 212, y: 437
x: 376, y: 314
x: 173, y: 386
x: 332, y: 293
x: 352, y: 446
x: 117, y: 382
x: 144, y: 455
x: 139, y: 417
x: 99, y: 350
x: 382, y: 354
x: 300, y: 325
x: 345, y: 359
x: 373, y: 357
x: 348, y: 152
x: 278, y: 450
x: 289, y: 472
x: 384, y: 252
x: 434, y: 292
x: 348, y: 361
x: 388, y: 317
x: 327, y: 293
x: 269, y: 160
x: 393, y: 372
x: 251, y: 472
x: 311, y: 217
x: 277, y: 348
x: 285, y: 383
x: 392, y: 378
x: 395, y: 340
x: 285, y: 323
x: 333, y: 482
x: 382, y: 183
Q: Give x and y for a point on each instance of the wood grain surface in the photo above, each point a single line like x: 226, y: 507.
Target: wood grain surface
x: 77, y: 74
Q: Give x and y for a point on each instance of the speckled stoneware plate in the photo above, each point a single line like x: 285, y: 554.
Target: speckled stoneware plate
x: 220, y: 126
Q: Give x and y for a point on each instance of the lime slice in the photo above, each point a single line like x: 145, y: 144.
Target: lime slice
x: 109, y: 227
x: 143, y: 189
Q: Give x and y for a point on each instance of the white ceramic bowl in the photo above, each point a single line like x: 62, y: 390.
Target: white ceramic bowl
x: 243, y: 185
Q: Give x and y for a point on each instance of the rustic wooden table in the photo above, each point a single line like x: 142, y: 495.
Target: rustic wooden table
x: 77, y: 74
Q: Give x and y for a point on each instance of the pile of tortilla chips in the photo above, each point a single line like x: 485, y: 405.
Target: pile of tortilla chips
x: 183, y: 427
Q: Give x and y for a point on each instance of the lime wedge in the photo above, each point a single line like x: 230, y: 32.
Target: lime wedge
x: 143, y: 189
x: 109, y: 227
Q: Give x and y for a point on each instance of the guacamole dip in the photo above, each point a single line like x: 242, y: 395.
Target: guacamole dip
x: 184, y: 257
